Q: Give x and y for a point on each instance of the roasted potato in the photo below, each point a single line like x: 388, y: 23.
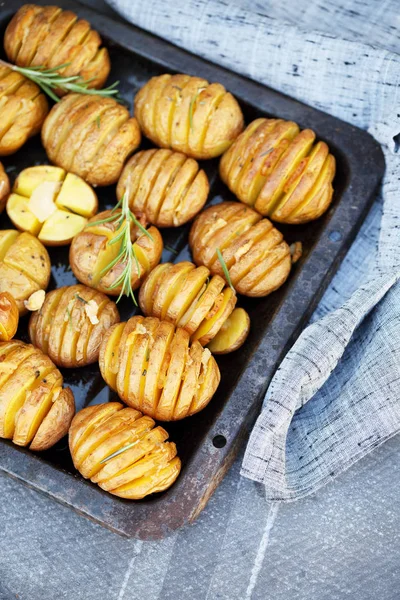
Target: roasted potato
x: 280, y: 171
x: 254, y: 252
x: 155, y: 369
x: 4, y: 188
x: 90, y: 136
x: 71, y: 323
x: 23, y: 108
x: 189, y: 298
x: 9, y: 317
x: 24, y: 266
x: 189, y: 115
x: 122, y: 451
x: 51, y: 204
x: 48, y: 36
x: 166, y: 187
x: 35, y: 410
x: 92, y: 251
x: 232, y: 334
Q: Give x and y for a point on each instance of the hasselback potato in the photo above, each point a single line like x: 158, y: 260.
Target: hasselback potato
x: 24, y: 266
x: 51, y: 204
x: 9, y: 317
x: 122, y: 451
x: 280, y: 171
x: 23, y: 108
x: 188, y: 297
x: 155, y: 369
x: 92, y: 251
x: 188, y: 114
x: 90, y: 136
x: 48, y: 36
x: 34, y: 408
x: 4, y: 188
x: 166, y: 187
x: 256, y: 256
x: 71, y: 323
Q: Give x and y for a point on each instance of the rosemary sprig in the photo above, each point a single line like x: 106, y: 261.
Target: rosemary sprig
x: 126, y: 253
x: 50, y: 79
x: 224, y: 268
x: 117, y: 452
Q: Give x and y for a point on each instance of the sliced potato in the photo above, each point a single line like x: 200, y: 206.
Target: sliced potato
x: 35, y: 410
x: 232, y: 334
x: 123, y: 451
x: 4, y: 188
x: 51, y: 204
x: 9, y: 317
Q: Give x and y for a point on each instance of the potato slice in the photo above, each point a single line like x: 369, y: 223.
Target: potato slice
x: 232, y: 334
x: 51, y: 204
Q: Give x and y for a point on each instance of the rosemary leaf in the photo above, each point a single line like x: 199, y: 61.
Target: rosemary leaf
x: 117, y: 452
x: 224, y: 268
x: 78, y: 297
x: 138, y: 224
x: 171, y: 249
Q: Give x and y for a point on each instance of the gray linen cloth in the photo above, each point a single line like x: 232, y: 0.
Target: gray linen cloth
x: 335, y: 396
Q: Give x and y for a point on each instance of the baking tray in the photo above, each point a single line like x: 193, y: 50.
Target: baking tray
x: 207, y: 442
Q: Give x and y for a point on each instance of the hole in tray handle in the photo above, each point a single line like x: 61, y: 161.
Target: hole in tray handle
x: 219, y: 441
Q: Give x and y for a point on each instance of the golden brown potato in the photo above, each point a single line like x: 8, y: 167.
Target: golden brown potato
x: 48, y: 36
x: 4, y: 188
x: 35, y: 410
x: 90, y: 136
x: 9, y: 317
x: 232, y: 334
x: 23, y: 108
x: 280, y: 171
x: 71, y: 323
x: 155, y: 369
x: 91, y: 252
x: 189, y: 115
x: 122, y: 451
x: 166, y: 187
x: 188, y: 297
x: 254, y: 252
x: 24, y: 266
x: 51, y: 204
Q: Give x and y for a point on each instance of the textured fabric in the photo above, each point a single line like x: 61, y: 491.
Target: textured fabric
x: 334, y: 397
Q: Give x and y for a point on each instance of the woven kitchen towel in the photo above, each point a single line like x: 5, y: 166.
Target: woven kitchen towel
x: 336, y: 395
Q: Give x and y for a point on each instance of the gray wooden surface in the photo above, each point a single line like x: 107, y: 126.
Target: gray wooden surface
x: 343, y: 542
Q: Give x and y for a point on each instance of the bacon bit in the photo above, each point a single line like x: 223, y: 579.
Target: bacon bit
x: 91, y: 309
x: 35, y: 300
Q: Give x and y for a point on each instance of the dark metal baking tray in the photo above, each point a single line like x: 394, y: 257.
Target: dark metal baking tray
x: 209, y: 441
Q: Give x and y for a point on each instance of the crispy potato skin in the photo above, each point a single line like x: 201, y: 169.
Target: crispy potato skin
x: 4, y: 188
x: 280, y: 171
x: 165, y: 187
x: 155, y: 369
x: 188, y: 297
x: 23, y: 108
x: 49, y: 36
x: 90, y: 136
x: 189, y: 115
x: 62, y: 328
x: 9, y: 317
x: 255, y: 253
x: 24, y: 266
x: 35, y: 410
x: 90, y: 253
x: 150, y: 465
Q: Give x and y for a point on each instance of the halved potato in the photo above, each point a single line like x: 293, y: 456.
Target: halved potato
x: 51, y: 204
x: 4, y: 187
x: 71, y: 323
x: 155, y: 369
x: 35, y: 410
x: 24, y: 266
x: 9, y: 317
x: 232, y: 334
x: 122, y: 451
